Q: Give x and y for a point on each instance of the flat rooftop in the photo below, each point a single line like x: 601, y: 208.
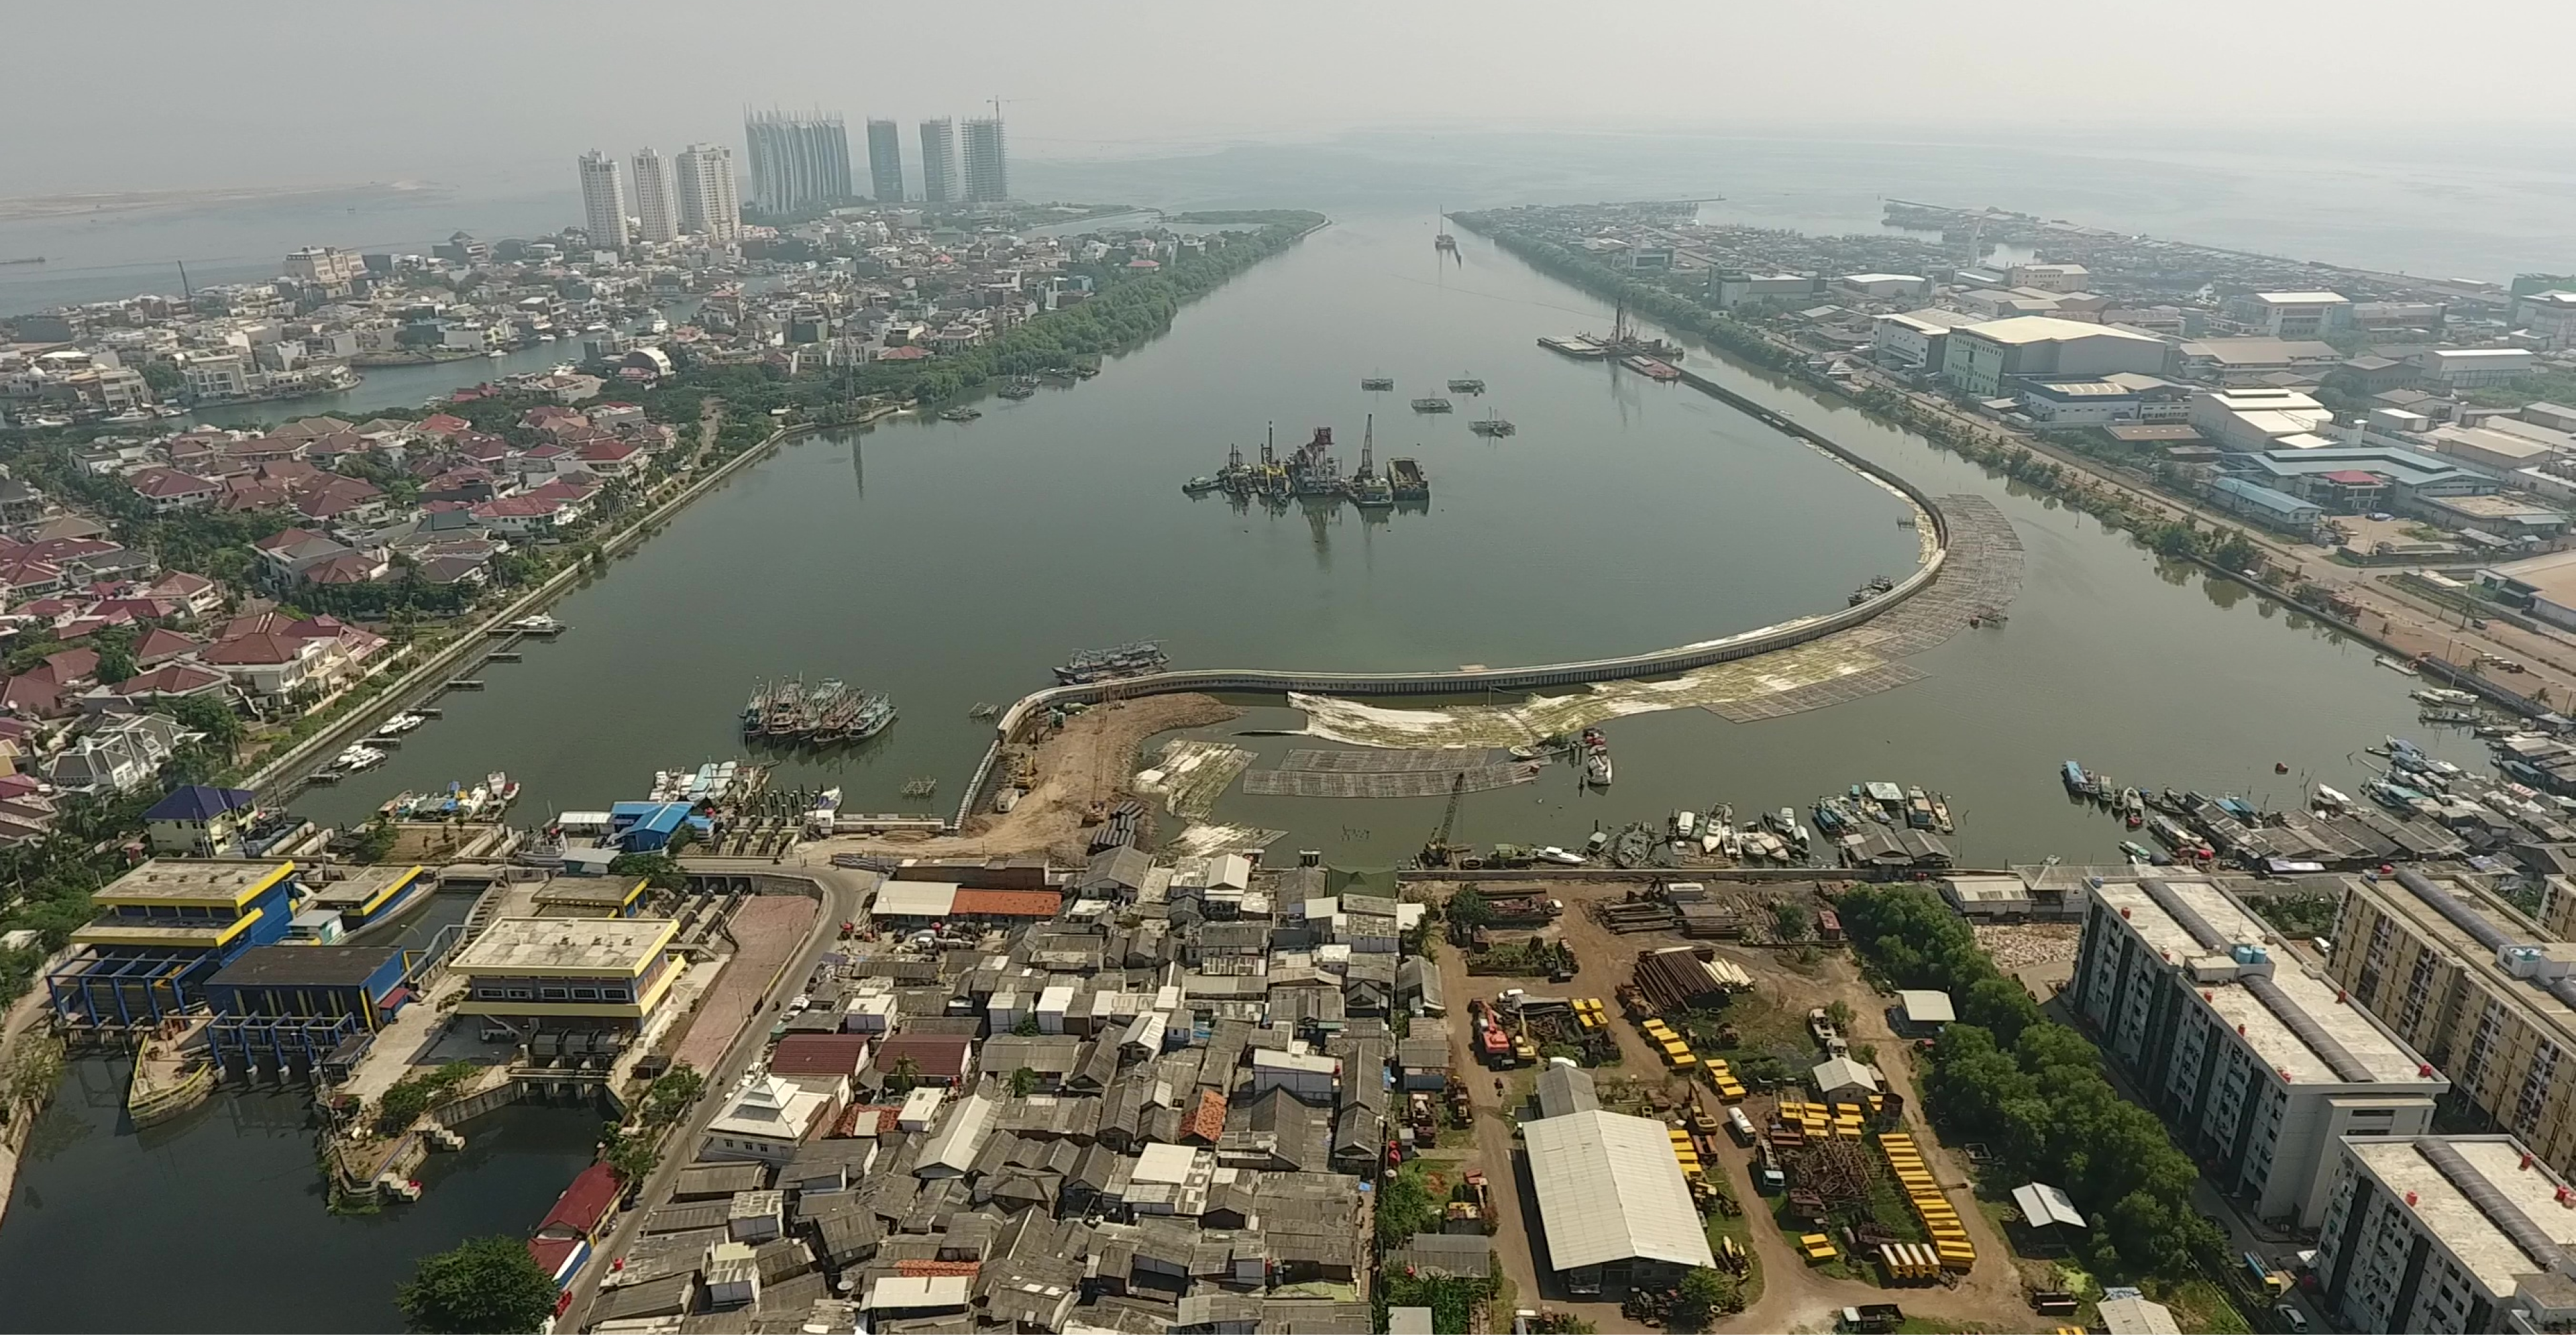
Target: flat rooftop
x: 2428, y: 922
x: 2459, y: 1224
x: 365, y: 888
x: 194, y: 882
x: 2044, y: 329
x: 567, y: 946
x: 304, y: 966
x: 2281, y: 1048
x: 610, y: 892
x: 2553, y: 575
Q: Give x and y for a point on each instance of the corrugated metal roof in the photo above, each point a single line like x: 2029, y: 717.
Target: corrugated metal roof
x: 1609, y: 1189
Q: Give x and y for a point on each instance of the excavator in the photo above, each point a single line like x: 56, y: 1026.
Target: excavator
x: 1438, y: 851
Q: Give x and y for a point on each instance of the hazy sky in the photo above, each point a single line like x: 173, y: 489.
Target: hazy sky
x: 480, y: 93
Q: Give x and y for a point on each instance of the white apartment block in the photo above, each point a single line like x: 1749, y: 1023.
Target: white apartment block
x: 603, y: 201
x: 2452, y: 1235
x: 324, y: 266
x: 2259, y: 1067
x: 657, y: 214
x: 2292, y: 314
x: 710, y: 202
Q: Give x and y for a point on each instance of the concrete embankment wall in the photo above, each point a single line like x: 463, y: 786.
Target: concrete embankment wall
x: 1657, y: 663
x: 430, y: 673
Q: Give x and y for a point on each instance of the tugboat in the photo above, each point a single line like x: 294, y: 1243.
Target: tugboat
x: 1200, y: 486
x: 2133, y: 809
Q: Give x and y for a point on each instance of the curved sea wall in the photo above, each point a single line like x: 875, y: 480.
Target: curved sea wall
x: 1466, y: 681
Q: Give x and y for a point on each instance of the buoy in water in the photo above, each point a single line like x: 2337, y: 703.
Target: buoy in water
x: 2279, y: 768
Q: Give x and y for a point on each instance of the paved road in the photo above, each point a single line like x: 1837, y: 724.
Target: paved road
x: 843, y: 894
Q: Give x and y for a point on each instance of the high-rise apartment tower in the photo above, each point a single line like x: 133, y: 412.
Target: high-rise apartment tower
x: 603, y: 201
x: 938, y: 161
x: 885, y: 161
x: 797, y: 163
x: 708, y: 202
x: 988, y: 171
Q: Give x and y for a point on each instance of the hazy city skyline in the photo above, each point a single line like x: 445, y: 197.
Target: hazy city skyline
x: 1670, y: 67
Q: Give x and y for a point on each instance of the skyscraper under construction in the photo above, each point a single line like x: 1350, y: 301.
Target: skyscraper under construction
x: 885, y: 161
x: 988, y: 172
x: 797, y: 162
x: 938, y: 161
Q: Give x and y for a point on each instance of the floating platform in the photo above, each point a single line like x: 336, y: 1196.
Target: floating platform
x: 1468, y: 386
x: 1377, y: 382
x: 1431, y: 405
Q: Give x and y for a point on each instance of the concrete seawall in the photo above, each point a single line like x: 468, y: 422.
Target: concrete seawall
x: 1654, y: 663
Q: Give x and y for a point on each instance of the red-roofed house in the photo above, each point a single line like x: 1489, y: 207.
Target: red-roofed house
x: 198, y: 594
x: 168, y: 489
x: 535, y: 513
x: 340, y: 498
x: 248, y: 493
x: 158, y: 646
x: 942, y: 1059
x: 609, y: 458
x: 827, y: 1064
x: 28, y: 577
x: 170, y: 681
x: 442, y: 424
x: 539, y: 417
x: 271, y: 657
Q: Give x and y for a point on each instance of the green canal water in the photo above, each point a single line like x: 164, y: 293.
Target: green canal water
x: 952, y: 564
x: 216, y: 1221
x: 949, y: 564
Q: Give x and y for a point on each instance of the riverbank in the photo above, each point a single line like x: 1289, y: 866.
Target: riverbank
x: 2307, y: 580
x: 417, y: 683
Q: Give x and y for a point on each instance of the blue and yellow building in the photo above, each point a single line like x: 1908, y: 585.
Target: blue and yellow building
x: 297, y: 1008
x: 162, y: 930
x: 532, y: 974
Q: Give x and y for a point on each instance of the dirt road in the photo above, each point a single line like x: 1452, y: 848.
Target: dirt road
x: 1092, y: 760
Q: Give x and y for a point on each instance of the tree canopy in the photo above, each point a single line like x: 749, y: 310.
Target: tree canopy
x: 483, y: 1285
x: 2031, y: 1088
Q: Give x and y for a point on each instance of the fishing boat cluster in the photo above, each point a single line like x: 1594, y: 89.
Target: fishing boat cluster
x: 1875, y: 824
x: 2418, y: 806
x: 459, y: 801
x: 830, y: 713
x: 1086, y: 666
